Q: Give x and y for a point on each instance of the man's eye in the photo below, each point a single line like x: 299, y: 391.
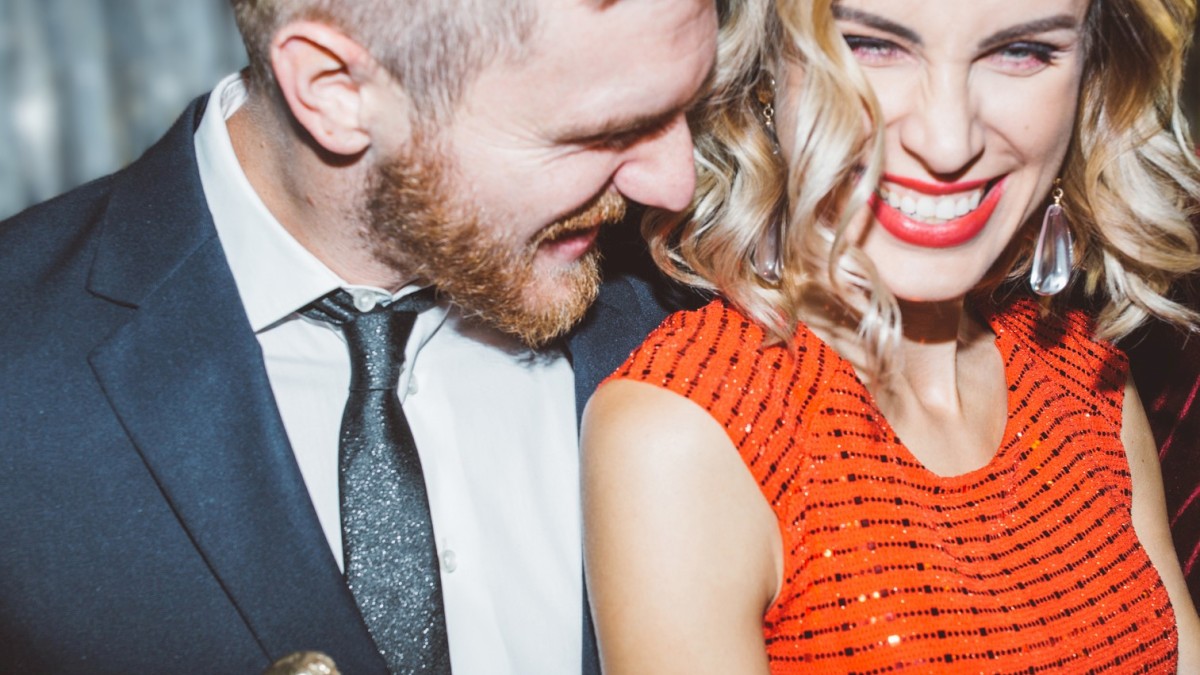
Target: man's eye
x: 623, y: 140
x: 620, y: 141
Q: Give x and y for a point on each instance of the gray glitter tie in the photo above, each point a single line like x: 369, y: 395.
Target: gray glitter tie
x: 390, y: 556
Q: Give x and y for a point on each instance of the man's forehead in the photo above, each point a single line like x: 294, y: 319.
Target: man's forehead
x: 631, y: 48
x: 573, y: 33
x: 590, y: 72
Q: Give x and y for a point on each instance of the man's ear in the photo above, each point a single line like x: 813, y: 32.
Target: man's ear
x: 323, y: 75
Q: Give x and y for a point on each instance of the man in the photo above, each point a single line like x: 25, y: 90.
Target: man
x: 174, y: 414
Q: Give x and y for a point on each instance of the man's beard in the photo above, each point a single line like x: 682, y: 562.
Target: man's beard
x: 417, y: 224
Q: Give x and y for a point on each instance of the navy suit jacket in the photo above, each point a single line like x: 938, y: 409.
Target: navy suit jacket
x: 154, y: 518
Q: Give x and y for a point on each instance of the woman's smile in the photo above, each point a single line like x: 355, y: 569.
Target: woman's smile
x: 935, y: 215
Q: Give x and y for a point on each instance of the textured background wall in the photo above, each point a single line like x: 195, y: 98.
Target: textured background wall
x: 87, y: 85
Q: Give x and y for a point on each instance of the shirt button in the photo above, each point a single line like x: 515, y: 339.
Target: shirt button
x: 449, y: 561
x: 412, y: 385
x: 364, y: 302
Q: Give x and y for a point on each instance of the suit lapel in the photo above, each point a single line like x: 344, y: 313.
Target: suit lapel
x: 186, y: 378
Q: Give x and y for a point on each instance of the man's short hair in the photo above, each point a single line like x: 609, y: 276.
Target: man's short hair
x: 434, y: 48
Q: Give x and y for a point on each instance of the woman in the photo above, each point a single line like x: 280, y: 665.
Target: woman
x: 871, y: 454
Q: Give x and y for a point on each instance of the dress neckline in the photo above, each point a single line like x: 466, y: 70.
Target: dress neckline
x: 999, y: 459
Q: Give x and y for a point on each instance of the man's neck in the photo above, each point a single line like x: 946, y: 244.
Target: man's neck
x: 315, y: 200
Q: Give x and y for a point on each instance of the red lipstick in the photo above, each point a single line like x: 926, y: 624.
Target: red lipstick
x: 936, y: 235
x: 936, y: 189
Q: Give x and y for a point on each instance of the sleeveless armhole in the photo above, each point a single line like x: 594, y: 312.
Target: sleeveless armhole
x: 762, y: 395
x: 1092, y: 371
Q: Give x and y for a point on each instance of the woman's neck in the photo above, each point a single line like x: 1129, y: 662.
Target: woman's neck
x: 945, y: 394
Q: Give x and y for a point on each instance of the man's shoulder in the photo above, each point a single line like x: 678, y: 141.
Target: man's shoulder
x: 80, y: 206
x: 61, y: 261
x: 44, y: 244
x: 635, y: 297
x: 54, y: 232
x: 635, y: 292
x: 41, y: 242
x: 65, y: 217
x: 633, y: 303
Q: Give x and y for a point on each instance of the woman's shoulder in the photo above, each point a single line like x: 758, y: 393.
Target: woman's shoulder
x: 650, y: 414
x: 723, y: 362
x: 696, y: 352
x: 717, y: 323
x: 1063, y: 340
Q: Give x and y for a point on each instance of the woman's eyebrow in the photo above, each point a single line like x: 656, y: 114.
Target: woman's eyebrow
x: 1050, y: 23
x: 877, y: 22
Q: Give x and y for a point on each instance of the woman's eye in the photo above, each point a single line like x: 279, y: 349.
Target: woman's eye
x: 1024, y: 57
x: 870, y: 50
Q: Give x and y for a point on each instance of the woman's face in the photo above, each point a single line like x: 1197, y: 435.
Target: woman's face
x: 978, y: 100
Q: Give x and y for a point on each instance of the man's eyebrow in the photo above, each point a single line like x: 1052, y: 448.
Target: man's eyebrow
x: 877, y: 22
x: 620, y: 128
x: 1050, y: 23
x: 616, y: 128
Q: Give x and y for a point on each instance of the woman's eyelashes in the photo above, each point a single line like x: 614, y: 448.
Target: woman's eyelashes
x: 873, y: 50
x: 1024, y: 57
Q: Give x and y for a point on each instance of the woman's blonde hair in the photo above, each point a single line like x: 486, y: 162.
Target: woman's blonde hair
x: 1130, y: 178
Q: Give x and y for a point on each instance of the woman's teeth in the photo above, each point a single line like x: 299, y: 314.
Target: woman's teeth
x: 929, y: 208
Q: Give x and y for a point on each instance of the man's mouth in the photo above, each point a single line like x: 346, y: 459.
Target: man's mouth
x: 570, y: 246
x: 571, y: 237
x: 935, y: 215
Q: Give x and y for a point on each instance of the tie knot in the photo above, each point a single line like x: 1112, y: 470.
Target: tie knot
x: 338, y: 307
x: 376, y: 338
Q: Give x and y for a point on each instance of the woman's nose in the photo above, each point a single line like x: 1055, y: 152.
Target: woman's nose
x: 941, y: 127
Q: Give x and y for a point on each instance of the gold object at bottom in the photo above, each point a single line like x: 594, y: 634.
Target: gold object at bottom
x: 303, y: 663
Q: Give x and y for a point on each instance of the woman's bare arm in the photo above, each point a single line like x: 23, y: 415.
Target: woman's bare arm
x: 683, y: 553
x: 1150, y: 524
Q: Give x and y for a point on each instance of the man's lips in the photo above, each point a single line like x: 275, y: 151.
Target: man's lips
x: 571, y: 237
x: 571, y: 245
x: 935, y: 215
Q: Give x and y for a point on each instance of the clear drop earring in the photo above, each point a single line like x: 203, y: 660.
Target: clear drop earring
x: 1053, y: 254
x: 766, y: 258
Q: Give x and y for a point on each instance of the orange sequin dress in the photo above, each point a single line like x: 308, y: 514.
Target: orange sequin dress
x: 1027, y: 565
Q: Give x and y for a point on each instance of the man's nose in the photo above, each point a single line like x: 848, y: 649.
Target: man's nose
x: 659, y: 171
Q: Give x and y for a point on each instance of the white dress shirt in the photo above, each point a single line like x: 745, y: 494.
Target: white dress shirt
x: 494, y: 425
